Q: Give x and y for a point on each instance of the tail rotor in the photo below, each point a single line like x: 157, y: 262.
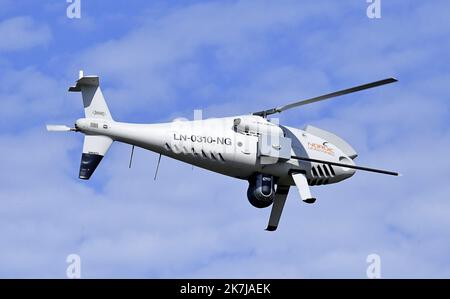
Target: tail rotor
x: 60, y: 128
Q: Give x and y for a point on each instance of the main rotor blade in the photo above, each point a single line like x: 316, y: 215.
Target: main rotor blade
x: 325, y: 97
x: 347, y: 166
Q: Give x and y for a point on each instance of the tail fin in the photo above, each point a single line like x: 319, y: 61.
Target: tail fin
x: 94, y: 149
x: 95, y: 146
x: 93, y: 100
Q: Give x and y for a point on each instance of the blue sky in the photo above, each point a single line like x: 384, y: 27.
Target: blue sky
x: 159, y: 60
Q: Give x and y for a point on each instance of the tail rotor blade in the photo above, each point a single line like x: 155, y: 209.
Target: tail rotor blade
x: 59, y: 128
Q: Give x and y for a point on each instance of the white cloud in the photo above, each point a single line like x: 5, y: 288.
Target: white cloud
x: 157, y: 61
x: 21, y: 33
x: 30, y: 97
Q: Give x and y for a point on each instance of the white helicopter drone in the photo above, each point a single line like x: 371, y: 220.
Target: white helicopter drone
x: 251, y: 147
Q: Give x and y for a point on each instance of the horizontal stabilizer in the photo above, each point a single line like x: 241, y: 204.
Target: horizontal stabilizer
x: 85, y: 81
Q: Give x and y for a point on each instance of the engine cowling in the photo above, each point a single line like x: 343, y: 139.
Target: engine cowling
x: 261, y: 190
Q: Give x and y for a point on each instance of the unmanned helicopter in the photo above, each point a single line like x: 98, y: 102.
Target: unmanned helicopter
x: 270, y: 156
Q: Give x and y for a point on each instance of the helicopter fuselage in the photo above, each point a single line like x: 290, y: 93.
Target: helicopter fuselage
x: 238, y: 146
